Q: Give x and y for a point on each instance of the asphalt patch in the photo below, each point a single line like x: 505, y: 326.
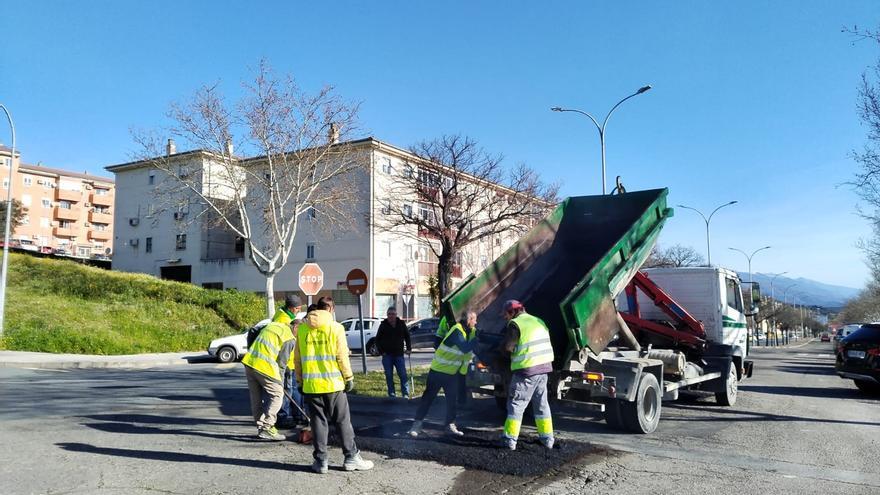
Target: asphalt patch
x: 476, y: 450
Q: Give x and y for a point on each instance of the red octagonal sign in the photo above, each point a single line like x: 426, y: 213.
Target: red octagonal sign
x: 311, y: 279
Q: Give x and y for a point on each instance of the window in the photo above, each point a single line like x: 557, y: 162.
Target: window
x: 26, y: 199
x: 101, y: 192
x: 151, y: 179
x: 180, y: 242
x: 310, y: 251
x: 28, y: 180
x: 386, y: 207
x: 408, y: 171
x: 47, y: 184
x: 385, y: 248
x: 409, y: 251
x: 239, y: 245
x: 64, y: 204
x: 386, y: 165
x: 100, y: 227
x: 47, y: 203
x: 407, y: 210
x: 734, y: 295
x: 65, y: 224
x: 312, y: 213
x: 148, y: 246
x: 44, y: 223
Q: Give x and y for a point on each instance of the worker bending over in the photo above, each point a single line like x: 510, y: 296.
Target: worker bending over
x: 451, y: 356
x: 323, y: 371
x: 531, y: 360
x: 265, y: 365
x: 289, y: 415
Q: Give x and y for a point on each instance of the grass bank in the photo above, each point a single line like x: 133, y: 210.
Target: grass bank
x: 372, y: 384
x: 61, y: 306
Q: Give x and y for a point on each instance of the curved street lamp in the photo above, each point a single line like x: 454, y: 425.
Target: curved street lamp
x: 5, y: 267
x: 707, y: 220
x: 601, y: 128
x: 749, y: 257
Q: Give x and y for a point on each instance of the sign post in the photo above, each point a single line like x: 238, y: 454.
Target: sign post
x: 356, y: 281
x: 311, y: 280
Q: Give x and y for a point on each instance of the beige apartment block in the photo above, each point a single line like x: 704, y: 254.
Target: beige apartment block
x: 66, y: 212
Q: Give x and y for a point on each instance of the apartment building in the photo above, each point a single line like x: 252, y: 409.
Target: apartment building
x: 66, y: 212
x: 170, y: 245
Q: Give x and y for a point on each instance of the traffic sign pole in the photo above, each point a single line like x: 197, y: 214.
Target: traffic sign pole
x: 363, y: 345
x: 356, y: 281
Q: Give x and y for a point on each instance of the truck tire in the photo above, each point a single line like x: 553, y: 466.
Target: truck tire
x: 612, y: 414
x: 643, y: 414
x: 728, y: 396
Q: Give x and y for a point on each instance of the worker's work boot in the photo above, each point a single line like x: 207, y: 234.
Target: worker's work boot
x: 357, y: 463
x: 415, y: 429
x: 320, y: 466
x: 508, y: 443
x: 270, y: 433
x: 547, y: 442
x: 453, y: 430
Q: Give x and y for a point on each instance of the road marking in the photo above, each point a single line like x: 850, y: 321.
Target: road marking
x: 802, y: 354
x: 48, y: 369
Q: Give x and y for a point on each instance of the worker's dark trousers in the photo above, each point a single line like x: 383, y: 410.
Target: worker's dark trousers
x: 436, y: 381
x: 324, y: 410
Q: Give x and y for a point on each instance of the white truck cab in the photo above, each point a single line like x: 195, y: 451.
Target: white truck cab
x: 712, y: 295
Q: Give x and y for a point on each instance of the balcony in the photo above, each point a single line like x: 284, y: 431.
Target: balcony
x: 65, y: 231
x: 60, y: 213
x: 96, y: 217
x: 101, y: 199
x: 99, y: 235
x: 66, y: 195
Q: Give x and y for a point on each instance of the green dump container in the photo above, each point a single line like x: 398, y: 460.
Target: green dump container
x: 567, y: 270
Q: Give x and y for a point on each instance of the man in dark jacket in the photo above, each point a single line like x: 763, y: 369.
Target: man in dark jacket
x: 392, y: 338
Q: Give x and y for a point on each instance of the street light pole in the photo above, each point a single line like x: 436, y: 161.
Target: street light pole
x: 785, y: 302
x: 773, y: 301
x: 751, y: 285
x: 5, y: 266
x: 707, y: 220
x: 601, y: 128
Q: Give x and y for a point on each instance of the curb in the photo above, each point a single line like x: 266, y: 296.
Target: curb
x: 42, y: 361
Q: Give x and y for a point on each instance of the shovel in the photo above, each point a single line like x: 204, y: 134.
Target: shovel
x: 305, y: 434
x: 412, y: 383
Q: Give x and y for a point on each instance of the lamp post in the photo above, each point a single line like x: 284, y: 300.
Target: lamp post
x: 773, y: 301
x: 707, y: 220
x: 5, y: 267
x: 751, y: 284
x: 785, y: 302
x: 601, y: 128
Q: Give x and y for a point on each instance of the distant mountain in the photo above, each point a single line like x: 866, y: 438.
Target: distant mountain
x: 806, y: 291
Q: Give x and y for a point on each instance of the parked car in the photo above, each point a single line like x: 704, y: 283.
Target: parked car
x: 422, y: 332
x: 825, y: 337
x: 27, y: 245
x: 234, y: 347
x: 353, y: 334
x: 858, y: 358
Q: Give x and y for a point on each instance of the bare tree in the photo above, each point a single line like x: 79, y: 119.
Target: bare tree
x: 674, y: 256
x: 452, y: 193
x: 297, y: 168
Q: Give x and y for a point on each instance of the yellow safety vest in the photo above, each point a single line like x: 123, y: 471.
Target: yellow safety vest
x: 448, y: 359
x: 469, y: 356
x: 534, y: 345
x: 317, y: 350
x: 282, y: 316
x: 263, y: 353
x: 442, y: 328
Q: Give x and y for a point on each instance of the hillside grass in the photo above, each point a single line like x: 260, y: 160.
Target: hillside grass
x: 372, y: 384
x: 60, y: 306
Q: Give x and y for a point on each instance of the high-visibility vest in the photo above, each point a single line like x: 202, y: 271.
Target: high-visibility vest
x: 282, y: 316
x: 262, y: 356
x: 442, y: 328
x: 449, y: 359
x: 534, y: 346
x: 469, y: 356
x: 317, y: 350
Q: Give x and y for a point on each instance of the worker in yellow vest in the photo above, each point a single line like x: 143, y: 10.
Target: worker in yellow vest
x: 323, y: 372
x: 531, y: 360
x: 265, y: 365
x: 289, y: 415
x: 449, y: 359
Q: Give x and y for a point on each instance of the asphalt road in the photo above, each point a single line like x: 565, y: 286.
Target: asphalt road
x: 797, y: 427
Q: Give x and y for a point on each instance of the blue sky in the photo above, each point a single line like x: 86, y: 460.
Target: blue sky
x: 752, y: 101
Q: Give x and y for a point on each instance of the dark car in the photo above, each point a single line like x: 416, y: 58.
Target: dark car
x: 421, y: 332
x: 825, y: 337
x: 858, y: 358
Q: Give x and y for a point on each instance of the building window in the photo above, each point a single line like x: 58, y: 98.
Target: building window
x: 100, y: 227
x: 64, y: 204
x: 409, y: 252
x: 313, y: 213
x: 407, y: 210
x: 28, y: 180
x: 385, y: 248
x: 180, y: 243
x: 151, y: 179
x: 408, y: 171
x: 65, y: 224
x: 386, y: 207
x: 101, y: 192
x: 386, y: 166
x: 47, y: 203
x: 239, y: 245
x: 310, y: 251
x: 148, y: 246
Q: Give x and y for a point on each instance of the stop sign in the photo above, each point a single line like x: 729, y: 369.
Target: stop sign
x: 311, y: 279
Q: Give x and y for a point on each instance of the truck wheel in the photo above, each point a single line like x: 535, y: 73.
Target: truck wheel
x: 728, y: 396
x: 643, y: 414
x: 612, y: 414
x: 226, y: 354
x: 372, y: 348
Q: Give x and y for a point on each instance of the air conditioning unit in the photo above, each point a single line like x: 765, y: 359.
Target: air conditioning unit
x: 134, y: 221
x: 86, y: 224
x: 179, y: 215
x: 133, y: 242
x: 88, y: 204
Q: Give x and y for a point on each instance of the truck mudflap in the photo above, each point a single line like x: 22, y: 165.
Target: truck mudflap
x: 748, y: 367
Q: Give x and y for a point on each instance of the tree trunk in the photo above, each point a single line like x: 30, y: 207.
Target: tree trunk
x: 270, y: 295
x: 444, y: 274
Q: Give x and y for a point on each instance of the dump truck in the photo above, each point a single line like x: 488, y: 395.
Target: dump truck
x: 572, y: 270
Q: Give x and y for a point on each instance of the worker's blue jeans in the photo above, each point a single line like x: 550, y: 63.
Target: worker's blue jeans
x: 287, y: 409
x: 390, y: 362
